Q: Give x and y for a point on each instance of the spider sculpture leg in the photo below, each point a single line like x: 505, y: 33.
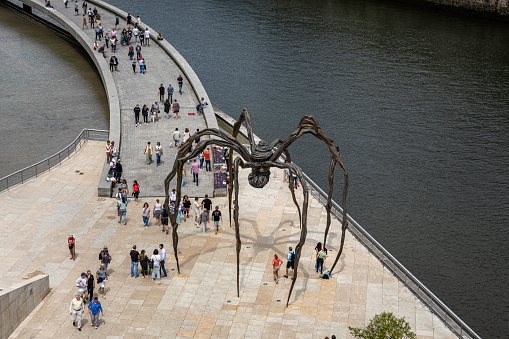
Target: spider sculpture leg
x: 238, y: 162
x: 290, y: 186
x: 179, y: 164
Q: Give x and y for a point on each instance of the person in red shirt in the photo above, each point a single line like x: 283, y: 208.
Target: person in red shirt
x: 71, y: 242
x: 276, y: 263
x: 206, y: 155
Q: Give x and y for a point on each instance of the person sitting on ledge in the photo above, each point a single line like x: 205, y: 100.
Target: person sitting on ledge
x: 159, y: 37
x: 111, y: 177
x: 102, y: 50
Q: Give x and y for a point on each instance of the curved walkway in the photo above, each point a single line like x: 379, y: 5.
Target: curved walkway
x: 125, y: 90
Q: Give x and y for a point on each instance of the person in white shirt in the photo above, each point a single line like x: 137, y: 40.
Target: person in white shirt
x: 136, y: 33
x: 147, y: 37
x: 196, y: 209
x: 156, y: 260
x: 77, y: 308
x: 81, y: 283
x: 163, y: 259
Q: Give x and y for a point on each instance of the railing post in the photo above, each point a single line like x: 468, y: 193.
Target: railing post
x: 48, y: 165
x: 59, y: 161
x: 21, y: 176
x: 36, y: 171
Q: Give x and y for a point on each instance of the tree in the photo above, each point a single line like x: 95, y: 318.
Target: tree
x: 384, y: 326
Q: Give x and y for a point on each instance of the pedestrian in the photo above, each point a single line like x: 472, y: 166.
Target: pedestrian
x: 102, y: 276
x: 196, y: 210
x: 206, y: 203
x: 65, y: 3
x: 163, y: 260
x: 130, y: 52
x: 204, y: 218
x: 84, y: 22
x: 156, y: 259
x: 170, y: 90
x: 135, y: 258
x: 164, y: 220
x: 116, y: 60
x: 147, y: 37
x: 197, y: 140
x: 144, y: 264
x: 173, y: 196
x: 118, y: 197
x: 216, y: 218
x: 76, y: 8
x: 322, y: 255
x: 93, y: 308
x: 107, y: 40
x: 157, y: 212
x: 81, y: 284
x: 172, y: 208
x: 146, y: 214
x: 141, y: 61
x: 128, y: 20
x: 113, y: 42
x: 136, y: 32
x: 180, y: 81
x: 176, y: 109
x: 153, y: 113
x: 276, y: 263
x: 138, y: 51
x: 186, y: 203
x: 84, y: 6
x: 137, y: 111
x: 167, y: 106
x: 186, y: 136
x: 227, y: 159
x: 144, y: 112
x: 183, y: 175
x: 202, y: 159
x: 124, y: 188
x: 123, y: 211
x: 318, y: 248
x: 105, y: 257
x: 176, y: 137
x: 112, y: 64
x: 159, y: 152
x: 206, y: 155
x: 77, y: 308
x: 142, y: 39
x: 195, y: 168
x: 71, y: 242
x: 90, y: 285
x: 161, y: 93
x: 156, y: 107
x: 119, y: 170
x: 136, y: 191
x: 117, y: 22
x: 148, y: 153
x: 290, y: 262
x: 133, y: 64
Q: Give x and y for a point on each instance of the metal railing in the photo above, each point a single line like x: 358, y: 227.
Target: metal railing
x: 435, y: 305
x: 47, y: 164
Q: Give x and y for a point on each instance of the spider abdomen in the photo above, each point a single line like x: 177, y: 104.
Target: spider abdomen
x: 259, y: 179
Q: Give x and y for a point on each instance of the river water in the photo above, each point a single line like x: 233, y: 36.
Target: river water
x: 416, y: 100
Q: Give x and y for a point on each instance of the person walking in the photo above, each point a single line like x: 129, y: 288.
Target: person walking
x: 321, y: 257
x: 290, y: 262
x: 123, y: 211
x: 128, y: 20
x: 157, y: 212
x: 167, y: 106
x: 76, y: 12
x: 146, y: 214
x: 180, y: 81
x: 135, y: 258
x: 114, y: 57
x: 176, y: 109
x: 204, y: 218
x: 318, y: 248
x: 206, y: 155
x: 196, y: 210
x: 84, y: 22
x: 159, y: 152
x: 84, y: 6
x: 147, y: 37
x: 156, y: 107
x: 118, y: 169
x: 71, y: 243
x: 124, y: 188
x: 93, y: 309
x: 90, y: 285
x: 144, y: 263
x: 153, y: 113
x: 105, y: 257
x: 112, y: 64
x: 186, y: 203
x: 170, y: 90
x: 144, y: 112
x: 176, y: 137
x: 77, y: 308
x: 138, y: 51
x: 156, y: 259
x: 195, y: 169
x: 163, y: 260
x: 202, y: 160
x: 81, y: 284
x: 137, y: 111
x: 276, y: 263
x: 101, y: 275
x: 216, y: 218
x: 136, y: 191
x: 164, y: 220
x: 161, y: 92
x: 148, y: 153
x: 186, y: 135
x: 206, y: 203
x: 134, y: 62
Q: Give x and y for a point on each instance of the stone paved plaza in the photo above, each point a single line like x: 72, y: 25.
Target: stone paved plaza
x: 38, y: 216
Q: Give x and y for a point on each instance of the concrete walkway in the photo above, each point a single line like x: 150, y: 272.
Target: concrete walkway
x: 37, y: 218
x: 143, y: 89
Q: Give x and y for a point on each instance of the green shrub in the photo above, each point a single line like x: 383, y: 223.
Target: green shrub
x: 384, y: 326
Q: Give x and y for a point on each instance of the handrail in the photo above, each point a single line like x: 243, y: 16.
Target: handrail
x: 34, y: 170
x: 435, y: 305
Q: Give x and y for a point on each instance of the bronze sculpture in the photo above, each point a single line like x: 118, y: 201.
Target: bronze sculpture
x: 261, y: 158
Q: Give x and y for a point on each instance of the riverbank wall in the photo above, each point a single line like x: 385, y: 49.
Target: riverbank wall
x: 492, y: 9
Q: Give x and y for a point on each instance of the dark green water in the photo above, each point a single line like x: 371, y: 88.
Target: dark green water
x: 416, y: 100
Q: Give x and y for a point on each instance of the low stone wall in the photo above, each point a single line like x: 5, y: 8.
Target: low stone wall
x: 19, y: 300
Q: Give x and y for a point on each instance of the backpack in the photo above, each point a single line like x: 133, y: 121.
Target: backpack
x: 292, y: 256
x: 101, y: 255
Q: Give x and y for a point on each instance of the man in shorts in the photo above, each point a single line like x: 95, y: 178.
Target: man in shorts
x: 176, y: 137
x: 290, y: 263
x: 216, y: 217
x: 81, y: 283
x: 105, y: 257
x: 102, y: 276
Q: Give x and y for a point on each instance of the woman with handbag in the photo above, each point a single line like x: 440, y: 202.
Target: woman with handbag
x: 148, y: 153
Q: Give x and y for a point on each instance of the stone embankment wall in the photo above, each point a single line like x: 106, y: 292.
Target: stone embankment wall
x: 492, y: 8
x: 19, y: 300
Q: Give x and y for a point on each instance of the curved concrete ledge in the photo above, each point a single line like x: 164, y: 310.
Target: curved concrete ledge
x: 194, y: 81
x: 99, y: 61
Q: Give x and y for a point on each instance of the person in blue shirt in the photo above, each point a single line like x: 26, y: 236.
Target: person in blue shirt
x: 290, y: 262
x: 93, y: 308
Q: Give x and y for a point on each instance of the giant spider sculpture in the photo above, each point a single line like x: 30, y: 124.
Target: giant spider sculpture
x: 260, y: 159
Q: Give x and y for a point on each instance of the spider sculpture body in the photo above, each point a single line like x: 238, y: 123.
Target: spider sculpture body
x: 260, y: 159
